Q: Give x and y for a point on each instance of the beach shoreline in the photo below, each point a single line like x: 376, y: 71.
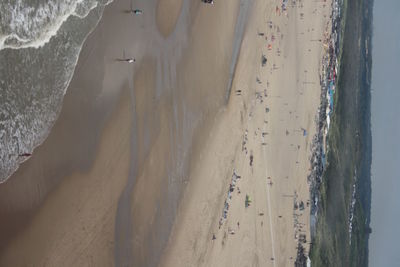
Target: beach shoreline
x: 136, y: 170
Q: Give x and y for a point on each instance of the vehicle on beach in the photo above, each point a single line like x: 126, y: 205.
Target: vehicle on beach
x: 208, y: 1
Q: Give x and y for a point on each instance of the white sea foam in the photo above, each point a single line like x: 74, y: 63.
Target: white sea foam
x: 35, y: 74
x: 30, y: 24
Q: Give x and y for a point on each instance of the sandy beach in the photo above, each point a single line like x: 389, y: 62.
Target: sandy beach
x: 136, y: 169
x: 269, y: 122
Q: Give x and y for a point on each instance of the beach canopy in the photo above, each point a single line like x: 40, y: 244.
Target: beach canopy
x: 247, y: 201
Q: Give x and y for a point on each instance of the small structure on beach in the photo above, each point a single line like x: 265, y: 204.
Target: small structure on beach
x: 247, y: 202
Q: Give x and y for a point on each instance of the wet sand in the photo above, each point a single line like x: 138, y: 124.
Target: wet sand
x: 103, y: 189
x: 167, y: 15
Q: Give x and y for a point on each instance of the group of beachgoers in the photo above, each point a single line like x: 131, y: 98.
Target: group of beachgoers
x: 328, y: 84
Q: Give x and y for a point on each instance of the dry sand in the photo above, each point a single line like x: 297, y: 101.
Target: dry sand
x: 104, y: 187
x: 264, y: 233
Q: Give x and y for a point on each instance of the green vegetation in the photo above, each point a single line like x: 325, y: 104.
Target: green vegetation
x: 349, y: 153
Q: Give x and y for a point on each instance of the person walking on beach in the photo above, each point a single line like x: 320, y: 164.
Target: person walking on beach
x: 127, y: 60
x: 134, y: 11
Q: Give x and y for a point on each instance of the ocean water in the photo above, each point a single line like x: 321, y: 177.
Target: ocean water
x: 40, y: 41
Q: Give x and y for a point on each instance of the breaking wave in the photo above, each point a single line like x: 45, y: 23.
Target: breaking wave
x: 40, y: 41
x: 33, y: 23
